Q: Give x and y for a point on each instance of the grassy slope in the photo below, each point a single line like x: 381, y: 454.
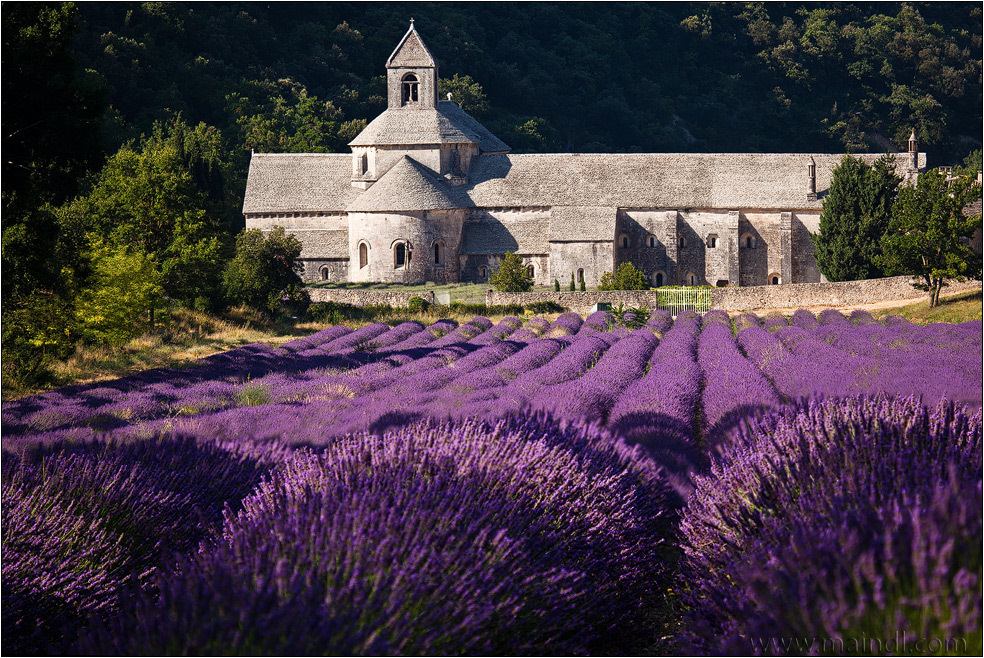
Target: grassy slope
x: 957, y: 308
x: 191, y: 335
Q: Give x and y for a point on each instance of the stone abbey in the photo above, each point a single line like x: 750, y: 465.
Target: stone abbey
x: 429, y: 194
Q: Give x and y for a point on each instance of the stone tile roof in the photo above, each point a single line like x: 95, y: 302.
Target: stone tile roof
x: 973, y: 208
x: 448, y: 124
x: 490, y: 235
x: 292, y: 182
x: 582, y: 223
x: 323, y: 244
x: 409, y: 185
x: 651, y: 180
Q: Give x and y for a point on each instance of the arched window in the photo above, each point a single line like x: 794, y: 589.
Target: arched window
x: 774, y: 279
x: 438, y: 255
x: 483, y: 272
x: 748, y: 241
x: 657, y: 279
x: 652, y: 241
x: 530, y: 270
x: 363, y: 254
x: 580, y: 275
x: 691, y: 280
x: 624, y: 240
x: 401, y: 255
x: 712, y: 241
x: 323, y: 272
x: 683, y: 242
x: 411, y: 89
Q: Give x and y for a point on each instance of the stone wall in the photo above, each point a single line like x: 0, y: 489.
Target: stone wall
x: 418, y: 232
x: 797, y: 295
x: 367, y: 297
x: 845, y: 293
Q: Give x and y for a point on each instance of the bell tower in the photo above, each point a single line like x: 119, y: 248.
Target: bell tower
x: 411, y: 74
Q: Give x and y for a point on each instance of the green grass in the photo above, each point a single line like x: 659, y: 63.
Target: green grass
x: 960, y: 307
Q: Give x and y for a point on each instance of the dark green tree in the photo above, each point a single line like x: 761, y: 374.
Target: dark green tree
x: 572, y: 282
x: 511, y: 275
x: 556, y: 285
x: 264, y: 272
x: 627, y: 277
x: 854, y: 218
x: 51, y: 118
x: 929, y: 234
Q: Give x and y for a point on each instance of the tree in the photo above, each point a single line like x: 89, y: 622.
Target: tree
x: 929, y: 235
x: 511, y: 275
x: 264, y: 272
x: 124, y: 293
x: 854, y: 218
x: 51, y: 119
x: 466, y: 93
x: 626, y: 277
x: 165, y: 199
x: 572, y: 282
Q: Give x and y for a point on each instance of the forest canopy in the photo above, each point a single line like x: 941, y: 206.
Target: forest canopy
x: 619, y: 77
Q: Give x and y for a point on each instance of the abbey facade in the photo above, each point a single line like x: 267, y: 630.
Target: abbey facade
x: 429, y: 194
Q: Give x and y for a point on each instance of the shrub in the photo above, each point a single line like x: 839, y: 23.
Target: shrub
x: 80, y: 521
x: 572, y: 282
x: 436, y: 538
x: 511, y: 275
x: 556, y: 285
x: 626, y: 277
x: 417, y: 304
x: 840, y: 519
x: 546, y: 306
x: 583, y: 288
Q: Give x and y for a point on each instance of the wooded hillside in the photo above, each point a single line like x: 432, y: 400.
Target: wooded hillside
x: 635, y: 77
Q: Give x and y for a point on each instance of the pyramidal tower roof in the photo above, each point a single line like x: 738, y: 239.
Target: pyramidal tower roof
x: 407, y: 186
x: 411, y: 52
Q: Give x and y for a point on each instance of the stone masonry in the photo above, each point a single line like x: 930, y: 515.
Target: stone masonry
x: 429, y: 194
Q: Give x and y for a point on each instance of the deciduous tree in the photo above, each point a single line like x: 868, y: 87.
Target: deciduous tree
x: 627, y: 277
x: 929, y: 235
x: 264, y: 273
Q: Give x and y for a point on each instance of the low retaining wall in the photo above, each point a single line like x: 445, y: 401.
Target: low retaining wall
x: 579, y: 302
x: 367, y: 297
x: 793, y: 295
x: 844, y: 293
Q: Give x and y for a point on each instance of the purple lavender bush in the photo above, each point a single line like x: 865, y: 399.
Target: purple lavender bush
x: 467, y: 538
x: 82, y: 520
x: 842, y: 522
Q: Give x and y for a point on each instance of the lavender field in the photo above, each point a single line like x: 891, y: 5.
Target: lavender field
x: 703, y: 484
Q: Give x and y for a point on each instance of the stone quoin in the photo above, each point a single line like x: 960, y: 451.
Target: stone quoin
x: 429, y: 194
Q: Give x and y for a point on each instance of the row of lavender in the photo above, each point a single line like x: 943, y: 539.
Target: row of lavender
x: 344, y: 381
x: 675, y: 389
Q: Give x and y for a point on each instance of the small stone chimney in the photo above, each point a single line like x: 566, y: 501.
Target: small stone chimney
x: 811, y: 191
x: 914, y: 149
